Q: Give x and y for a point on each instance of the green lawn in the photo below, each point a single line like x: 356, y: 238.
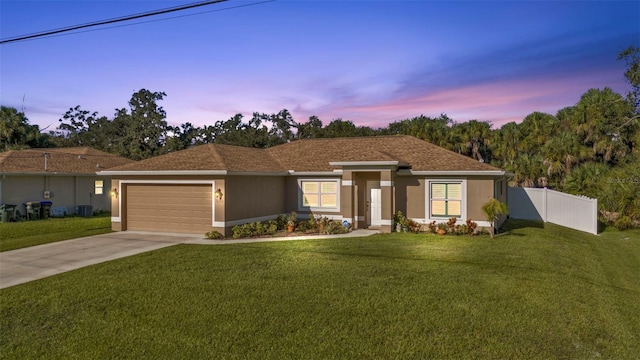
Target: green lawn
x: 29, y: 233
x: 534, y: 293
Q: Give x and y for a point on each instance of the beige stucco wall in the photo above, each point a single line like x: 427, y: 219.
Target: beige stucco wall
x: 479, y: 191
x: 68, y: 191
x: 410, y: 196
x: 254, y: 196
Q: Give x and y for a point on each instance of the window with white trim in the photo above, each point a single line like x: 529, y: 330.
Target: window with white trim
x: 99, y: 187
x: 445, y: 199
x: 319, y: 194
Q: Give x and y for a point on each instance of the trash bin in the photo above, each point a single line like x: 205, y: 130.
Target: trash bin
x: 7, y: 212
x: 33, y: 210
x: 45, y: 208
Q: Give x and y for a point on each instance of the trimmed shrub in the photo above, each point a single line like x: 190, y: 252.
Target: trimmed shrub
x: 214, y: 235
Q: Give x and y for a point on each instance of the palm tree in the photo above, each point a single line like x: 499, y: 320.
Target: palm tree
x: 562, y: 152
x: 529, y: 170
x: 472, y: 139
x: 493, y: 209
x: 602, y: 122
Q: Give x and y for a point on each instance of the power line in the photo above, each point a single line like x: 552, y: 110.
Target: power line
x: 163, y: 19
x: 110, y: 21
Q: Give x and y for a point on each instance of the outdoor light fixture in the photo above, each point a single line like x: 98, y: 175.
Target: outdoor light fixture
x: 218, y: 194
x: 114, y: 193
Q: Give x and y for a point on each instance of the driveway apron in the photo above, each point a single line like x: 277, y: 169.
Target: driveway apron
x: 37, y: 262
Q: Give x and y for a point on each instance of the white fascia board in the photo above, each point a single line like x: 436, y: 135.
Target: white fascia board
x: 163, y: 172
x: 314, y: 173
x: 455, y: 173
x: 257, y: 173
x: 366, y: 163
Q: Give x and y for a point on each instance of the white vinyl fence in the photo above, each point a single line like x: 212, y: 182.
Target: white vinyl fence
x: 576, y: 212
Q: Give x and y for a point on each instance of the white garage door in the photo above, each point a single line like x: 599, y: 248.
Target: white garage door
x: 169, y: 207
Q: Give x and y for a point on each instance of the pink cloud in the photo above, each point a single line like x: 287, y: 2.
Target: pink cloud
x: 498, y: 102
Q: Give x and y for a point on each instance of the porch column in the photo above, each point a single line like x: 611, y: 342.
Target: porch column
x: 346, y: 197
x: 387, y: 186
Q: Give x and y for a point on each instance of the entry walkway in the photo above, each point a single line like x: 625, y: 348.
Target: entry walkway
x: 37, y: 262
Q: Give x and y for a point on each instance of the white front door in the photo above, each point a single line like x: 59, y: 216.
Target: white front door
x: 376, y: 207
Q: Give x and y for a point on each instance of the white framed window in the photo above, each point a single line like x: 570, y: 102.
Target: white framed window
x: 99, y: 187
x: 446, y: 199
x: 319, y: 195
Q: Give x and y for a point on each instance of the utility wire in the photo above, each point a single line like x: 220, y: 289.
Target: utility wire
x: 110, y: 21
x: 163, y: 19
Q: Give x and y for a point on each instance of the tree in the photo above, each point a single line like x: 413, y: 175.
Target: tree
x: 505, y: 144
x: 17, y: 133
x: 434, y: 130
x: 493, y: 209
x: 345, y: 128
x: 529, y: 170
x: 282, y: 125
x: 472, y: 139
x: 587, y: 179
x: 142, y: 132
x: 631, y: 55
x: 182, y: 137
x: 310, y: 129
x: 537, y: 127
x: 601, y: 120
x: 84, y: 128
x: 562, y: 152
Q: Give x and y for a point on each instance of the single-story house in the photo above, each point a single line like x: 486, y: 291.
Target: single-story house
x: 361, y: 180
x: 64, y: 176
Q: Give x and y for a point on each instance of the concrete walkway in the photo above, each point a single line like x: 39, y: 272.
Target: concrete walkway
x: 37, y: 262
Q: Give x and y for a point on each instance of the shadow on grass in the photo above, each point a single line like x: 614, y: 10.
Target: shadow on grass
x: 514, y: 224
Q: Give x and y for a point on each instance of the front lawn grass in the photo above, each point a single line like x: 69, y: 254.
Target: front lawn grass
x: 29, y: 233
x: 537, y: 292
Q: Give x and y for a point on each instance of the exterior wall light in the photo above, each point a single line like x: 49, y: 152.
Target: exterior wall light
x: 114, y: 193
x: 218, y: 194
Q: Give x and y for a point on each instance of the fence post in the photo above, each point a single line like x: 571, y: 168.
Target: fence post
x: 594, y: 203
x: 544, y: 204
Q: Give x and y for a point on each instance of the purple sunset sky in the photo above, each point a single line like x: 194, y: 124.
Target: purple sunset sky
x: 371, y: 62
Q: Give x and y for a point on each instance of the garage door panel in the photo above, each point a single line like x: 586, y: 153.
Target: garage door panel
x: 189, y: 217
x: 169, y: 207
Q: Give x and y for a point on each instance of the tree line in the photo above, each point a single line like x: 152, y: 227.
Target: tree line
x: 590, y: 148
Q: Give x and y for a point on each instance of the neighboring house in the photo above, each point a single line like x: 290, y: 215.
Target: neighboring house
x: 361, y: 180
x: 65, y: 176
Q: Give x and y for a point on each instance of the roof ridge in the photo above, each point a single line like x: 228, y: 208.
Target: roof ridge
x: 213, y: 150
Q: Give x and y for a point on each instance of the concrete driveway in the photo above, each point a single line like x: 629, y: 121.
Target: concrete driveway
x: 37, y: 262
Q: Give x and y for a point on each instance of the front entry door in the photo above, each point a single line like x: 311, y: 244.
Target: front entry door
x: 376, y: 207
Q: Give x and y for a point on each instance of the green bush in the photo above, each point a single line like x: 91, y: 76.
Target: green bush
x: 281, y: 222
x: 255, y: 229
x: 624, y: 223
x: 214, y: 235
x: 335, y: 227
